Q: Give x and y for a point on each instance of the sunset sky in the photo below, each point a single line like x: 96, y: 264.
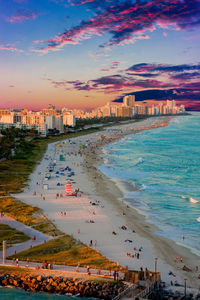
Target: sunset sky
x: 84, y: 53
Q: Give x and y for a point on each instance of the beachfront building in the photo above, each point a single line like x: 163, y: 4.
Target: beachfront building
x: 69, y: 120
x: 125, y: 111
x: 50, y: 118
x: 129, y: 101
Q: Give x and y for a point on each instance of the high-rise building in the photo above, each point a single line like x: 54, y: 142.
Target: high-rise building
x: 124, y: 111
x: 69, y: 119
x: 129, y: 100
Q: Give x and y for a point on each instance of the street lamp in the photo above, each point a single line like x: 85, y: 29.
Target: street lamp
x: 185, y: 279
x: 156, y: 259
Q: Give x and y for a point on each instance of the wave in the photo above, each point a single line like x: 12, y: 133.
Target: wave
x: 143, y: 187
x: 139, y: 161
x: 192, y: 200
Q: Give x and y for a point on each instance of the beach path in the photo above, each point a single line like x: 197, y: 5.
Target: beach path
x: 40, y: 237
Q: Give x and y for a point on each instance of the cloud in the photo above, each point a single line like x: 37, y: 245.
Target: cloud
x: 139, y: 76
x: 98, y: 54
x: 128, y: 21
x: 161, y: 68
x: 114, y: 66
x: 22, y: 15
x: 9, y: 48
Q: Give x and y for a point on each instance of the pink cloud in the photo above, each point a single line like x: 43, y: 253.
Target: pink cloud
x: 128, y: 21
x: 9, y: 48
x: 114, y: 66
x: 21, y: 16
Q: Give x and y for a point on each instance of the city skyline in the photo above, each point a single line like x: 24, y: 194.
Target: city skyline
x: 82, y: 54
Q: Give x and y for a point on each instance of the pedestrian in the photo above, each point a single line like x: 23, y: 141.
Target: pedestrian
x: 181, y: 259
x: 77, y: 267
x: 90, y: 243
x: 88, y: 270
x: 117, y: 275
x: 17, y: 262
x: 114, y: 275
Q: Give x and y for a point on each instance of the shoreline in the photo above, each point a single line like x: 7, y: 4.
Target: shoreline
x: 143, y: 226
x: 97, y: 187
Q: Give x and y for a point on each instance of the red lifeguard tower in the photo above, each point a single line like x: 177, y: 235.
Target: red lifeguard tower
x: 69, y: 191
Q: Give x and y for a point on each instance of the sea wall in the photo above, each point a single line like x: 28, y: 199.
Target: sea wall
x: 63, y: 286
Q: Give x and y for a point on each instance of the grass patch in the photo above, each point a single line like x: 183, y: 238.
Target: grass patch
x: 66, y: 250
x: 11, y: 235
x: 28, y: 215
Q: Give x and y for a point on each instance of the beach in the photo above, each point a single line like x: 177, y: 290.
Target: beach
x: 99, y: 216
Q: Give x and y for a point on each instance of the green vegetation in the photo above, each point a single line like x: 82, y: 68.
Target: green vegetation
x: 65, y: 250
x: 11, y: 235
x: 80, y: 123
x: 28, y: 215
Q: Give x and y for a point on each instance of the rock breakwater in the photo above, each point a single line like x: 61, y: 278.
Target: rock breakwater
x: 64, y: 286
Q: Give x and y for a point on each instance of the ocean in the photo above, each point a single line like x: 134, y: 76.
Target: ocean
x: 164, y: 164
x: 19, y: 294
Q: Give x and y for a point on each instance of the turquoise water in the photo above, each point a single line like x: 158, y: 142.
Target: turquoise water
x: 17, y: 294
x: 165, y: 164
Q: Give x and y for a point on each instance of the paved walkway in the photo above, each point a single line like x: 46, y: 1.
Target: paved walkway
x: 61, y: 270
x: 40, y: 237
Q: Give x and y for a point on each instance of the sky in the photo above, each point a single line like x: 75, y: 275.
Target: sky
x: 84, y: 53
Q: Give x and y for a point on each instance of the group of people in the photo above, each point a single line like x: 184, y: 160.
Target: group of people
x: 47, y: 265
x: 63, y: 213
x: 176, y: 259
x: 93, y: 244
x: 59, y: 195
x: 15, y: 262
x: 136, y: 254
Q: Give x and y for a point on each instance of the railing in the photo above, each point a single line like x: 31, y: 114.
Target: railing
x: 125, y: 292
x: 147, y: 291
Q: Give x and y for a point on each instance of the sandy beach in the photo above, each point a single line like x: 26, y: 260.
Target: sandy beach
x: 98, y: 216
